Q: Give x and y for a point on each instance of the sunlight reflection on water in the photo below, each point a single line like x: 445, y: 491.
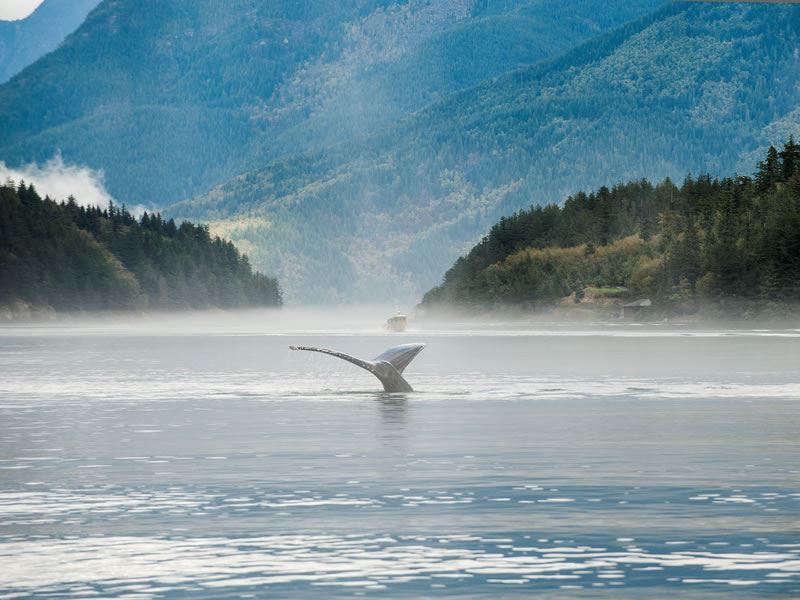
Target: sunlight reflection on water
x: 139, y: 463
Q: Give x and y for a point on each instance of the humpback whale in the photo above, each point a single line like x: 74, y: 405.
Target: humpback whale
x: 388, y: 367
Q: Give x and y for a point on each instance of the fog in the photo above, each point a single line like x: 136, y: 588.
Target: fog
x: 491, y: 346
x: 59, y: 180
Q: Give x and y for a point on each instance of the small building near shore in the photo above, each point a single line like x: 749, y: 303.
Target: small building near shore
x: 636, y: 308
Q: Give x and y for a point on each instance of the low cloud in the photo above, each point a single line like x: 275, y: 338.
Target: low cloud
x: 59, y: 181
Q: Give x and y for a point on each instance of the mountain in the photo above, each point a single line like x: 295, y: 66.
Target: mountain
x: 410, y: 55
x: 68, y: 257
x: 692, y: 88
x: 171, y: 98
x: 24, y: 41
x: 731, y: 244
x: 161, y: 95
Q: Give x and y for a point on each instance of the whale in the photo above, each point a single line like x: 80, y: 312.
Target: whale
x: 387, y: 367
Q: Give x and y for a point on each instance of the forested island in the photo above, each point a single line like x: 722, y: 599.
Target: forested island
x: 721, y: 246
x: 67, y: 257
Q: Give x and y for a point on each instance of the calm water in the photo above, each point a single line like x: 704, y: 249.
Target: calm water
x: 176, y: 458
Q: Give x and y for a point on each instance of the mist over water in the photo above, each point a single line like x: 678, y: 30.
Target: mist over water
x: 176, y: 455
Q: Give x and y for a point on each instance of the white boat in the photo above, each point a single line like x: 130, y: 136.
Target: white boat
x: 397, y: 323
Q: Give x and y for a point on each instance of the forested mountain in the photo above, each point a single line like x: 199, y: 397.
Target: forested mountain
x: 409, y: 55
x: 692, y: 88
x: 341, y: 145
x: 68, y: 257
x: 732, y: 244
x: 170, y: 98
x: 24, y: 41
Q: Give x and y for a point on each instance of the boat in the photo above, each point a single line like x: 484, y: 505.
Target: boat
x: 397, y: 323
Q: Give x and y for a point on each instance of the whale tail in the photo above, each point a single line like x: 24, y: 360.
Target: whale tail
x: 388, y: 367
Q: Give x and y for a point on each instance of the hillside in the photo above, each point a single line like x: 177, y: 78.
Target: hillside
x: 693, y: 88
x: 731, y: 244
x: 159, y: 95
x: 24, y: 41
x: 414, y: 54
x: 68, y: 258
x: 171, y: 98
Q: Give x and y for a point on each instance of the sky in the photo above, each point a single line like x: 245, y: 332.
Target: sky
x: 11, y: 10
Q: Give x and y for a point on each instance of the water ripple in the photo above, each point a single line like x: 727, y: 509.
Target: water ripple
x: 155, y: 566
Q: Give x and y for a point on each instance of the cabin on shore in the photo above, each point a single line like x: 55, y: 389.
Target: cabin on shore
x: 636, y: 308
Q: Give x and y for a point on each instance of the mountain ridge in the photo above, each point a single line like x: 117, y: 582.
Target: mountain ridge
x: 187, y: 94
x: 636, y: 102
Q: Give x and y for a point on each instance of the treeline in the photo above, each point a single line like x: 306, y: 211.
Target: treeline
x: 620, y: 107
x: 733, y: 243
x: 70, y: 257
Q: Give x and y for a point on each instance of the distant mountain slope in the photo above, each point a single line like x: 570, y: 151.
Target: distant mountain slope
x: 178, y: 96
x: 24, y: 41
x: 694, y: 88
x: 159, y: 94
x: 404, y: 58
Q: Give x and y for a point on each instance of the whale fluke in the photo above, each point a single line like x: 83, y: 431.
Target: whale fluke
x: 388, y: 367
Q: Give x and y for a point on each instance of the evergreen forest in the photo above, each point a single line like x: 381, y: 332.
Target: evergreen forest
x: 730, y: 244
x: 74, y: 258
x: 691, y: 88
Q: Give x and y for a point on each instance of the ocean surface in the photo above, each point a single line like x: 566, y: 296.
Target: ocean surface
x: 197, y: 456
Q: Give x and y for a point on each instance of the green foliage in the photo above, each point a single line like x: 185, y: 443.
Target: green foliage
x: 364, y: 144
x: 70, y: 257
x: 165, y: 95
x: 694, y: 88
x: 733, y: 243
x: 182, y: 95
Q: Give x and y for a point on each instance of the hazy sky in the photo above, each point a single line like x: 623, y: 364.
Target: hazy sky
x: 17, y: 9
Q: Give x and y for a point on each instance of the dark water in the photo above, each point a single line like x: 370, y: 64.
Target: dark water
x: 171, y: 459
